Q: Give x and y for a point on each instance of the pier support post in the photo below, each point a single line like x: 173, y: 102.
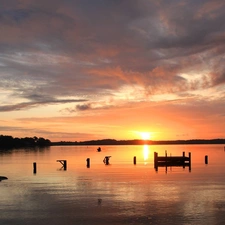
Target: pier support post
x: 206, y: 159
x: 88, y: 162
x: 34, y: 167
x: 156, y: 160
x: 183, y: 159
x: 189, y: 155
x: 134, y: 160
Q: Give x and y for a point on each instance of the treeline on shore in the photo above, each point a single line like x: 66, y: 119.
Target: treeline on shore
x: 142, y: 142
x: 7, y: 142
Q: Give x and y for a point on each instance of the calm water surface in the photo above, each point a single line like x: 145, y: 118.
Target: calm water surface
x: 119, y: 193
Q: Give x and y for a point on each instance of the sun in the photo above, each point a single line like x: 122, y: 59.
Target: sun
x: 145, y: 135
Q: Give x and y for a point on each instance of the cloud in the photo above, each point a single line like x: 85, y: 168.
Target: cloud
x: 83, y: 107
x: 42, y: 132
x: 109, y: 54
x: 138, y: 40
x: 28, y: 105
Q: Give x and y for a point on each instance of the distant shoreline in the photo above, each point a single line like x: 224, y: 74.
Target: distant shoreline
x: 140, y: 142
x: 9, y: 142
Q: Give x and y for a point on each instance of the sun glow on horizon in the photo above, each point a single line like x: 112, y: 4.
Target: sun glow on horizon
x: 145, y: 135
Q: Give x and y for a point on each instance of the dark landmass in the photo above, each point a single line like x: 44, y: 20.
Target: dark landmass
x: 9, y: 142
x: 141, y: 142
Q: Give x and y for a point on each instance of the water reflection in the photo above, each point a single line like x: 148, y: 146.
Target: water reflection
x: 117, y: 194
x: 145, y: 152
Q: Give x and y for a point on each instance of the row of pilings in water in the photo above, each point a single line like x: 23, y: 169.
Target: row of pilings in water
x: 159, y: 161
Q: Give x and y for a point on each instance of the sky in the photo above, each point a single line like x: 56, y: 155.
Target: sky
x: 76, y: 70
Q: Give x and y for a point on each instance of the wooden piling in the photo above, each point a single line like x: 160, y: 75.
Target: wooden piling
x: 183, y: 159
x: 63, y: 162
x: 189, y: 154
x: 106, y: 160
x: 134, y: 160
x: 156, y: 156
x: 34, y: 167
x: 65, y: 165
x: 156, y: 160
x: 206, y: 159
x: 88, y: 162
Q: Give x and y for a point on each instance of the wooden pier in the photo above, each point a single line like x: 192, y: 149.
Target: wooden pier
x: 166, y: 161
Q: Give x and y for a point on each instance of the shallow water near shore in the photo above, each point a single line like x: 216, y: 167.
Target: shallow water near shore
x: 118, y: 193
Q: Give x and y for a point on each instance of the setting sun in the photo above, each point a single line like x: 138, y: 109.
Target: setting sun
x: 145, y: 135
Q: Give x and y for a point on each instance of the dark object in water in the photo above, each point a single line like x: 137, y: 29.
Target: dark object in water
x: 3, y: 178
x: 88, y: 162
x: 166, y: 161
x: 106, y: 160
x: 63, y: 162
x: 99, y: 149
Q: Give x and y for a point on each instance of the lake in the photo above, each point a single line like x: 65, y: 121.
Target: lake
x: 114, y: 194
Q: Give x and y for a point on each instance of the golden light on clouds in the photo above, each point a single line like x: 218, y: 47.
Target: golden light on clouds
x: 118, y: 76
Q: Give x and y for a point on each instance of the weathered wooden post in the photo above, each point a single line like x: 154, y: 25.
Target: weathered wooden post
x: 134, y: 160
x: 206, y: 159
x: 189, y: 156
x: 65, y: 165
x: 34, y: 167
x: 166, y: 157
x: 155, y: 157
x: 183, y: 161
x: 106, y: 160
x: 156, y: 160
x: 88, y: 162
x: 63, y: 162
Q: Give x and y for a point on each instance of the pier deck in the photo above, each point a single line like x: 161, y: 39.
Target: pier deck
x: 172, y: 160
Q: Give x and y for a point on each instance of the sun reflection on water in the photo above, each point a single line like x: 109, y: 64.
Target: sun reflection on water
x: 145, y: 152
